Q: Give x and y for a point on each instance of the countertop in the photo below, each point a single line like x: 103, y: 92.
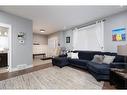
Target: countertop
x: 3, y: 52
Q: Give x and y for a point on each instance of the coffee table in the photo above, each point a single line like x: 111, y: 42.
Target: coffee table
x: 118, y: 77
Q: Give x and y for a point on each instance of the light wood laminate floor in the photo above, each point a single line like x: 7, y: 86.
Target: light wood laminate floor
x: 37, y: 61
x: 53, y: 78
x: 9, y: 75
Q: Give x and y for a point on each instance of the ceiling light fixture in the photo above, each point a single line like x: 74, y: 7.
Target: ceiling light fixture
x: 42, y: 30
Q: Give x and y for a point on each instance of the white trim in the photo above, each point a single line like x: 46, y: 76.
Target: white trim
x: 10, y: 44
x: 17, y: 69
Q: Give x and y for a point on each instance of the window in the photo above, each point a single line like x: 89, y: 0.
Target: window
x: 89, y: 38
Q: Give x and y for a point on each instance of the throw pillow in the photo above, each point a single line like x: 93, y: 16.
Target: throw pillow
x: 98, y: 58
x: 69, y: 54
x: 74, y: 55
x: 108, y: 59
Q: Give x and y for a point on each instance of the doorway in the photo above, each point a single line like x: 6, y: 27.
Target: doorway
x: 5, y: 48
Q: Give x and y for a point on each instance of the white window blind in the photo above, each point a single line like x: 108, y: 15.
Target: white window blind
x: 89, y: 38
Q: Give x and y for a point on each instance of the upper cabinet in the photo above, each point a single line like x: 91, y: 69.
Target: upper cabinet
x: 3, y: 39
x: 3, y: 31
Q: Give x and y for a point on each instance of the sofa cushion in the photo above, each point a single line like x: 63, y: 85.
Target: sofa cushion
x: 98, y: 58
x: 74, y: 55
x: 108, y: 59
x: 119, y: 65
x: 78, y: 62
x: 99, y: 68
x: 119, y: 58
x: 87, y: 55
x: 69, y: 54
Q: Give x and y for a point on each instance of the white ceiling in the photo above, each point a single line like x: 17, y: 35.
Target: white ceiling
x: 56, y: 18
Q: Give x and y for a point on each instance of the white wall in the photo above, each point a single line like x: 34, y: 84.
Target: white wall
x: 21, y: 54
x: 61, y: 36
x: 113, y: 22
x: 56, y: 34
x: 41, y: 39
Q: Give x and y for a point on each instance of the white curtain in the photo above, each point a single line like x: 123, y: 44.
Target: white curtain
x: 100, y: 34
x: 89, y: 38
x: 75, y: 38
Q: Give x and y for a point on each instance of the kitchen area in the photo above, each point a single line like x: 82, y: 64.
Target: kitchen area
x: 4, y: 48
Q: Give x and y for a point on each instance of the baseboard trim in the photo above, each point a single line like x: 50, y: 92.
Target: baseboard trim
x: 17, y: 69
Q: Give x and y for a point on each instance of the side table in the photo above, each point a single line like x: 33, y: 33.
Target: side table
x: 118, y: 77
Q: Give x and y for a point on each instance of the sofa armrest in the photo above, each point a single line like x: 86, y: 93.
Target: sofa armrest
x: 63, y: 55
x: 118, y: 65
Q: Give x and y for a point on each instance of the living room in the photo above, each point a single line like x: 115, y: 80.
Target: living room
x: 63, y: 47
x: 102, y: 42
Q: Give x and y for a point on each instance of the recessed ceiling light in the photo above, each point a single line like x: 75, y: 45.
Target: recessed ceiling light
x: 42, y: 30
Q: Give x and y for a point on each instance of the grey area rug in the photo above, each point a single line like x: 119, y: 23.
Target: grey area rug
x: 53, y: 78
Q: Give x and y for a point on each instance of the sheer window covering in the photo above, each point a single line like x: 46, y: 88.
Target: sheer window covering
x: 89, y: 38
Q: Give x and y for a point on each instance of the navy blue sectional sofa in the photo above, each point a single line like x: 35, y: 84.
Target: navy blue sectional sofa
x: 99, y: 71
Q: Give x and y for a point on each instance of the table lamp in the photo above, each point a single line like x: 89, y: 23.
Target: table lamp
x: 122, y: 50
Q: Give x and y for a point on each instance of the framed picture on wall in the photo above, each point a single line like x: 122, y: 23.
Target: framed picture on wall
x: 119, y: 34
x: 67, y: 39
